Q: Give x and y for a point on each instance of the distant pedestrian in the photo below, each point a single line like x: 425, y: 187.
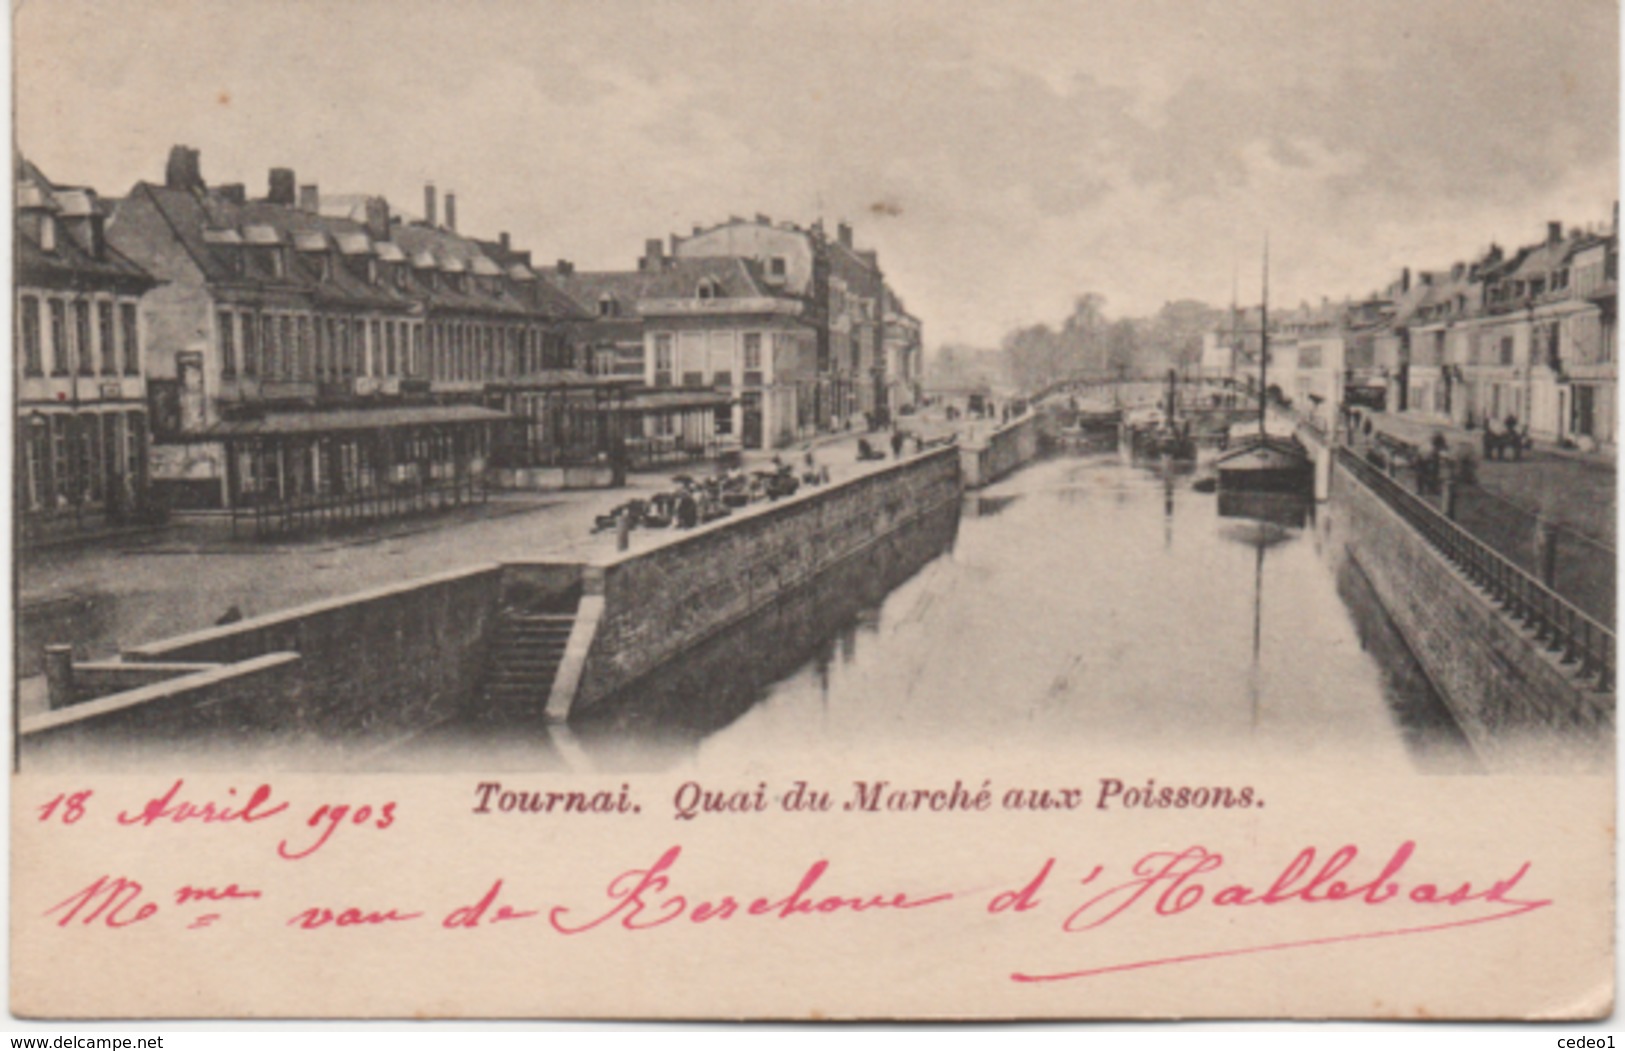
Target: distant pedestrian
x: 897, y: 445
x: 688, y: 511
x: 1514, y: 439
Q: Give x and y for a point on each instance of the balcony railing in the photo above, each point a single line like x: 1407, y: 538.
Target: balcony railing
x: 1558, y: 626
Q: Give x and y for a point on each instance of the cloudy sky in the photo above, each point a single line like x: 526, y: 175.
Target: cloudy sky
x: 1002, y: 156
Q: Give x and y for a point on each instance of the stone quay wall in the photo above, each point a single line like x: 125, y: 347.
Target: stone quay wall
x: 985, y: 460
x: 350, y: 673
x: 1517, y: 705
x: 659, y: 603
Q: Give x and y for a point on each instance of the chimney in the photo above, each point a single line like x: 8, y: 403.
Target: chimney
x: 675, y: 241
x: 310, y: 199
x: 282, y: 187
x: 428, y: 204
x: 451, y: 212
x: 843, y: 232
x: 763, y: 220
x: 565, y: 268
x: 183, y: 171
x: 1404, y: 280
x: 378, y: 218
x: 698, y: 229
x: 1554, y: 232
x: 653, y: 255
x: 233, y: 193
x: 506, y: 242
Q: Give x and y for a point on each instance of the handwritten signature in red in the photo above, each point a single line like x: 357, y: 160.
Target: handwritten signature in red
x: 1172, y: 883
x: 1162, y: 885
x: 1165, y: 883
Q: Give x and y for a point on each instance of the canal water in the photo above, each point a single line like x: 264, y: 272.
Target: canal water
x: 1086, y: 605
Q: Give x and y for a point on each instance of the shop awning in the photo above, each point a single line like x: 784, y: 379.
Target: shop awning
x: 340, y: 421
x: 673, y: 401
x: 568, y: 379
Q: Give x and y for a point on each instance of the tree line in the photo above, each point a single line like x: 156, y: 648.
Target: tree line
x: 1088, y: 340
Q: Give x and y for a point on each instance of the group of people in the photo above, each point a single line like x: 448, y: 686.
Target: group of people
x: 696, y: 501
x: 1498, y: 441
x: 898, y: 441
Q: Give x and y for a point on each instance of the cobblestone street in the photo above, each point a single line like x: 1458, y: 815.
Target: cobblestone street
x: 186, y: 577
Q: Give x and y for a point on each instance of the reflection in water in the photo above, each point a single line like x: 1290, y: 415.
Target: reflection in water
x: 1422, y: 718
x: 810, y: 631
x: 1260, y: 521
x: 1100, y: 607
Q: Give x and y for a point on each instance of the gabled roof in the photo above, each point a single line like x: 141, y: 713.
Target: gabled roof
x: 856, y: 265
x: 1539, y: 260
x: 210, y: 226
x: 1409, y: 303
x: 1548, y: 257
x: 204, y: 225
x: 549, y: 299
x: 455, y: 254
x: 732, y: 277
x: 70, y: 258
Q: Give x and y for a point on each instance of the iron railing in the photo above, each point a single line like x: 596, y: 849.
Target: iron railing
x: 1558, y: 625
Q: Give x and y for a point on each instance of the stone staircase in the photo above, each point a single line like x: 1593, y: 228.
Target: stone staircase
x: 525, y: 656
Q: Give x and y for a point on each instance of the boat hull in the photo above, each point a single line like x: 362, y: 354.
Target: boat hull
x: 1266, y: 465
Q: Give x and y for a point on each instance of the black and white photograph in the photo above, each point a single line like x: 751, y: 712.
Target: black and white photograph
x: 964, y: 510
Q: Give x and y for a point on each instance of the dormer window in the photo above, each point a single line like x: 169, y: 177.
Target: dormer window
x: 606, y: 305
x: 708, y: 289
x: 775, y: 266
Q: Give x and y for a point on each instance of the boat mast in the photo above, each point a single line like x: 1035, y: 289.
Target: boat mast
x: 1264, y: 338
x: 1235, y: 332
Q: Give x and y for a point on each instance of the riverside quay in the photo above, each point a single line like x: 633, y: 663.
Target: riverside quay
x: 879, y: 601
x: 314, y: 480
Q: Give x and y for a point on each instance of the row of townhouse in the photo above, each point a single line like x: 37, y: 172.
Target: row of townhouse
x: 311, y: 362
x: 301, y: 359
x: 781, y: 330
x: 81, y: 393
x: 1529, y: 334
